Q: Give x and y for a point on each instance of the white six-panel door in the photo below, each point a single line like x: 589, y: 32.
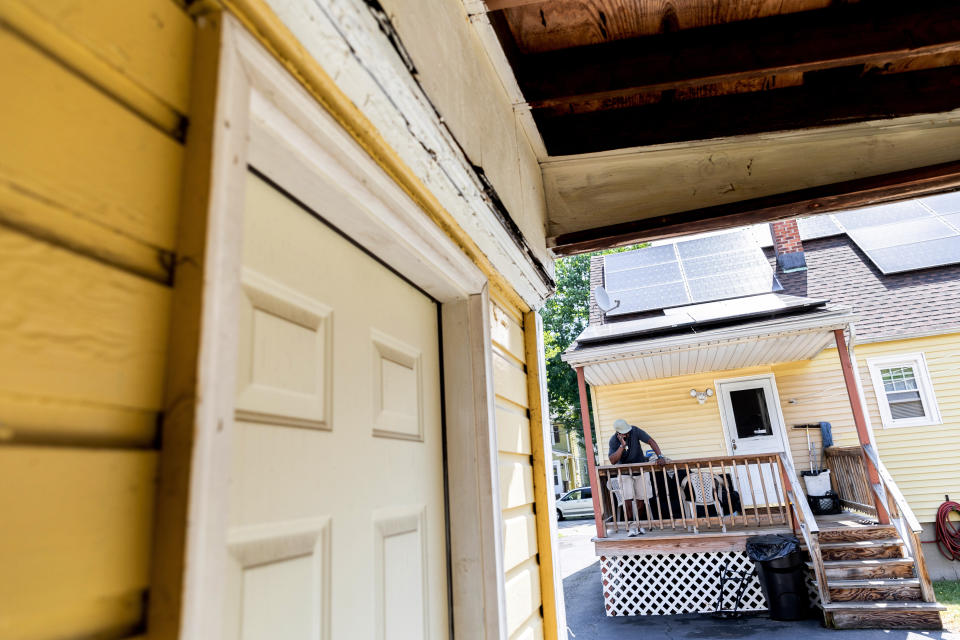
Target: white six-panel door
x: 337, y: 520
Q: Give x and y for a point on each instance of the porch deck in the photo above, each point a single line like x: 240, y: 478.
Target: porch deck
x: 669, y: 540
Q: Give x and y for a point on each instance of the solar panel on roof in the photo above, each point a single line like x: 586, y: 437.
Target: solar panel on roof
x: 882, y: 214
x: 735, y: 285
x: 821, y: 226
x: 900, y: 233
x: 639, y: 258
x: 643, y: 276
x: 919, y: 255
x: 944, y: 203
x: 659, y: 296
x: 722, y: 266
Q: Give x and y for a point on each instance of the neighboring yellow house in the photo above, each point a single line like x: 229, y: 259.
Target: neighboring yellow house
x: 757, y: 373
x: 569, y: 461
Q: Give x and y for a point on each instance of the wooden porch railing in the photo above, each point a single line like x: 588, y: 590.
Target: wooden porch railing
x: 696, y: 494
x: 849, y: 478
x: 848, y: 471
x: 806, y: 523
x: 902, y: 518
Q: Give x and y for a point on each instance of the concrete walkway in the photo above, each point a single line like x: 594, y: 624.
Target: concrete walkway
x: 586, y: 619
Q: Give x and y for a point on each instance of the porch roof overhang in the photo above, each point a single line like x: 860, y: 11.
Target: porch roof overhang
x: 764, y: 342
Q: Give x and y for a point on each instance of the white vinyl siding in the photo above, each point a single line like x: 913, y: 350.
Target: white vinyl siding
x: 904, y: 392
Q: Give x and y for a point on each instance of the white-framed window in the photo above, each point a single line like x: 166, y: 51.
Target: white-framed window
x: 904, y: 391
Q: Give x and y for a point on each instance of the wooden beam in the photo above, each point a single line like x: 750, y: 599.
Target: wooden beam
x: 859, y: 421
x: 499, y: 5
x: 857, y: 34
x: 838, y: 99
x: 591, y: 457
x: 912, y: 183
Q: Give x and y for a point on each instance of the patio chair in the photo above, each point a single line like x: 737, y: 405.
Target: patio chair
x: 704, y: 489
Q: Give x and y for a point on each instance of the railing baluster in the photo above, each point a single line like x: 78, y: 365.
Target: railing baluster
x: 633, y: 500
x: 666, y: 489
x: 763, y: 486
x: 753, y: 493
x: 690, y: 494
x: 715, y: 501
x: 775, y: 475
x: 728, y: 490
x: 676, y: 481
x: 736, y: 481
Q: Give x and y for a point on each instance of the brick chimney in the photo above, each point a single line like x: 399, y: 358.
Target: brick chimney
x: 786, y: 243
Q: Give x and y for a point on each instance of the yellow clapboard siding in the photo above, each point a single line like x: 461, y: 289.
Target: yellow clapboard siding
x: 49, y: 421
x: 513, y: 429
x: 519, y: 536
x: 506, y: 332
x: 516, y: 481
x: 509, y: 380
x: 919, y: 458
x: 532, y: 629
x: 66, y: 143
x: 76, y: 535
x: 522, y: 594
x: 45, y: 219
x: 150, y: 41
x: 75, y: 329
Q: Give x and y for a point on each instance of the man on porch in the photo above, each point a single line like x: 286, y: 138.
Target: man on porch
x: 626, y: 448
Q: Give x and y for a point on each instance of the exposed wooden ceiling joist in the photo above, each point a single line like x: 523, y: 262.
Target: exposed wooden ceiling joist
x: 858, y: 34
x: 815, y: 200
x: 834, y: 99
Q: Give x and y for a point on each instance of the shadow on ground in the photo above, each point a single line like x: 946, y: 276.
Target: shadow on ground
x: 586, y: 621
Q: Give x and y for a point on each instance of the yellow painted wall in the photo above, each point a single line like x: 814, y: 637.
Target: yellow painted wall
x: 522, y: 571
x: 95, y: 94
x: 921, y: 459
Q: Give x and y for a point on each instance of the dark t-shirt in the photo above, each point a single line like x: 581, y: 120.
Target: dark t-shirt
x: 634, y: 452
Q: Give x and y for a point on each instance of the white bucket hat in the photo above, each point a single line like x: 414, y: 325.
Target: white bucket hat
x: 621, y: 426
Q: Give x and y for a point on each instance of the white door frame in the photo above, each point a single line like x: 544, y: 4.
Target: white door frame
x: 721, y: 406
x: 261, y: 117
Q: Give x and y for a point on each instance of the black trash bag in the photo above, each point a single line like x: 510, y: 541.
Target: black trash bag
x: 771, y: 546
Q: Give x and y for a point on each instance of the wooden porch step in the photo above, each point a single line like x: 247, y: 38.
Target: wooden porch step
x: 885, y: 548
x: 868, y: 568
x: 883, y: 615
x: 888, y: 589
x: 854, y: 534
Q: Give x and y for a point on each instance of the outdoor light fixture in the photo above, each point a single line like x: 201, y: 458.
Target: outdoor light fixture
x: 701, y: 396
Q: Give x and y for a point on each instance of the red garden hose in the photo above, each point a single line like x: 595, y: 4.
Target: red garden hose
x: 948, y: 531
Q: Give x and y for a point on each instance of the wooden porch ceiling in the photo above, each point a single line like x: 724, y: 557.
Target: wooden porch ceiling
x: 661, y: 117
x: 610, y: 74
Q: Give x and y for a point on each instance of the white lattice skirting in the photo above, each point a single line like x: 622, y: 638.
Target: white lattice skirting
x: 667, y: 584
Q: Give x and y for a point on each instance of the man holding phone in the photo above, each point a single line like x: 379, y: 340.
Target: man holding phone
x: 626, y: 447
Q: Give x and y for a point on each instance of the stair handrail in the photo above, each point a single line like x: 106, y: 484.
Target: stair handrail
x: 891, y: 486
x: 887, y: 491
x: 807, y: 524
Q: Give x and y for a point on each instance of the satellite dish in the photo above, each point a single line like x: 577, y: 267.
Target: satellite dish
x: 603, y: 300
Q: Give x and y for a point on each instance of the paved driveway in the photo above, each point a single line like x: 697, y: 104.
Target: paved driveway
x: 586, y: 619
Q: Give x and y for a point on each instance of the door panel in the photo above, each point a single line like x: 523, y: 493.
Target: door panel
x: 337, y: 522
x: 752, y: 424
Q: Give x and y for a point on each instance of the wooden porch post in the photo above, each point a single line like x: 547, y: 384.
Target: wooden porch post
x: 591, y: 458
x: 858, y: 419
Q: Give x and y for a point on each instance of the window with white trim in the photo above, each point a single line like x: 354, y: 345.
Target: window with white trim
x: 904, y: 391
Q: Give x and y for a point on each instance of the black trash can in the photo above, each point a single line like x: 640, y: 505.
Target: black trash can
x: 782, y: 575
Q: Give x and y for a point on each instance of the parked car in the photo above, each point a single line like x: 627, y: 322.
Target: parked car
x: 576, y: 502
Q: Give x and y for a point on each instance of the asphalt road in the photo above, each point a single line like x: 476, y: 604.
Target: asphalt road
x: 586, y: 619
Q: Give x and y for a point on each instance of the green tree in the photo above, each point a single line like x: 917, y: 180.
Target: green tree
x: 565, y: 316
